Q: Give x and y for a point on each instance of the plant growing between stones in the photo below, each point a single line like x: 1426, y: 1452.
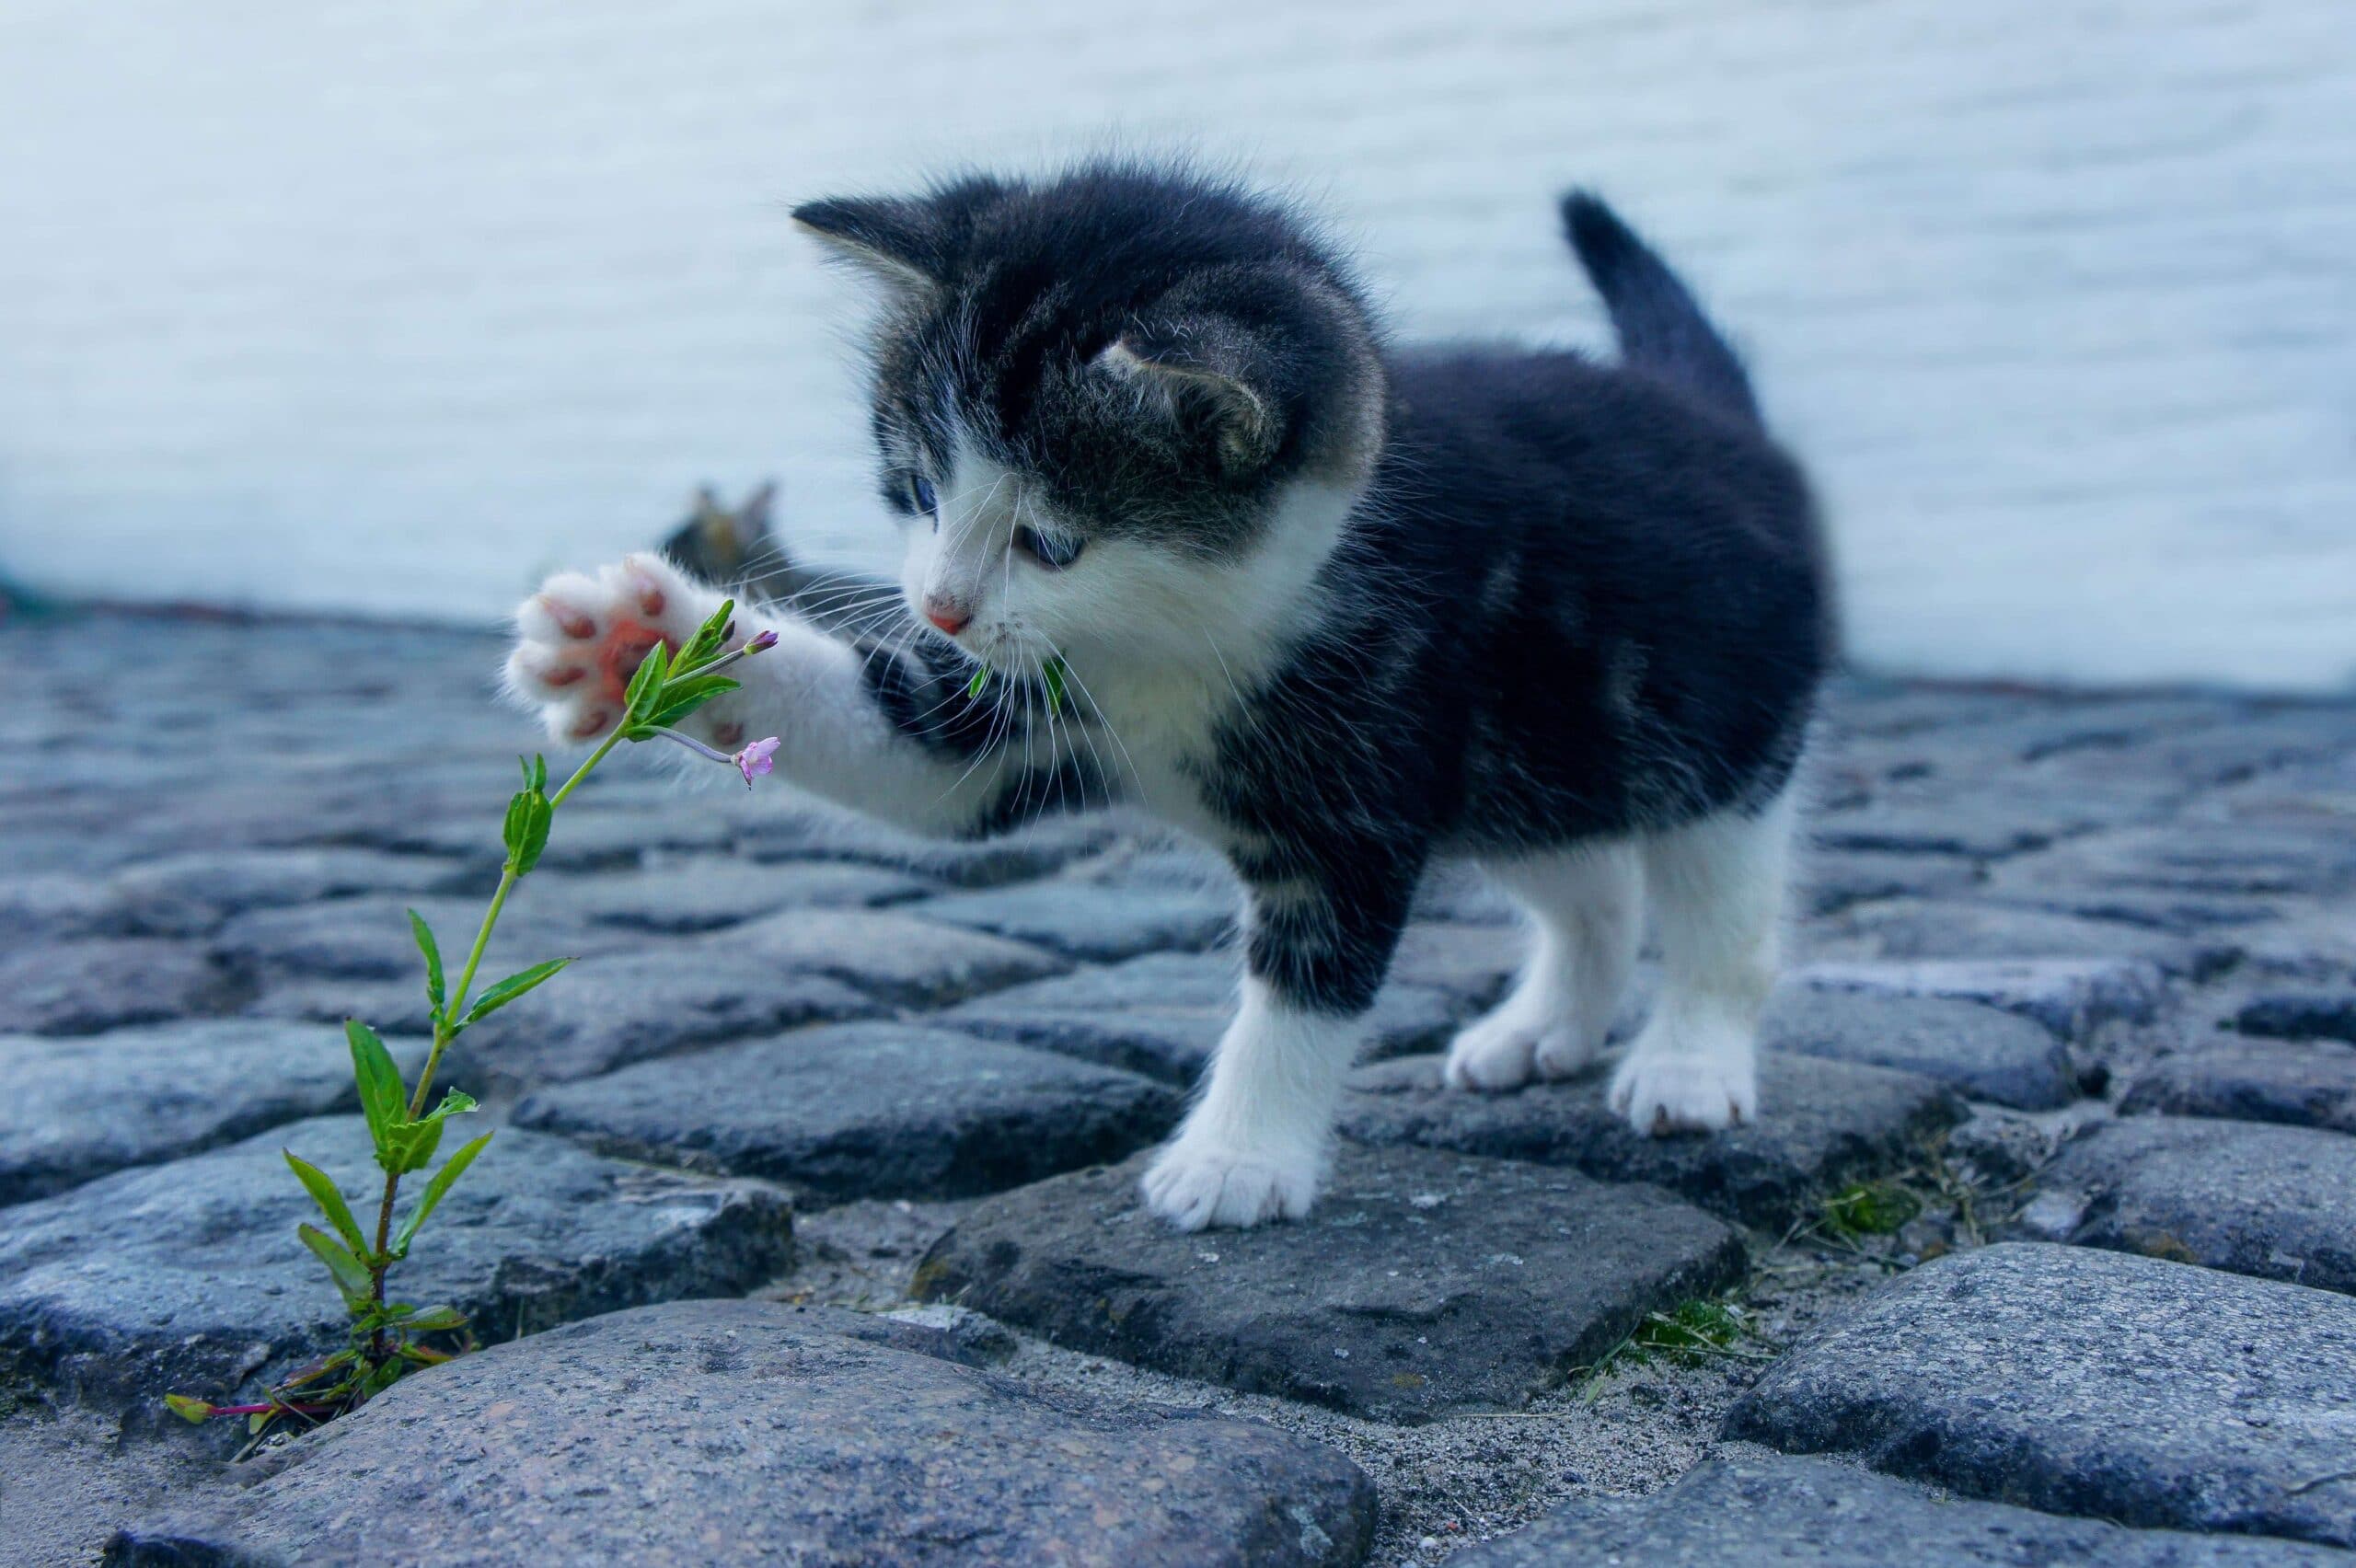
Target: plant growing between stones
x: 1869, y: 1208
x: 386, y: 1337
x: 1688, y: 1334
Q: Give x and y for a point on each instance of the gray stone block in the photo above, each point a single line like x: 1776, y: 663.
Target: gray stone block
x: 82, y: 1106
x: 51, y: 905
x: 747, y: 1431
x: 1999, y: 932
x: 81, y: 987
x: 2151, y: 1394
x: 2071, y: 997
x: 1084, y: 920
x: 822, y: 835
x: 188, y: 1278
x: 876, y: 1110
x: 2253, y: 1197
x: 1162, y: 1014
x: 1826, y: 1514
x: 230, y: 881
x: 369, y: 939
x: 893, y: 957
x: 1424, y: 1283
x: 708, y: 893
x: 2300, y: 1015
x: 608, y: 1013
x: 1978, y: 1050
x: 1833, y: 880
x: 1821, y: 1124
x: 2307, y: 1085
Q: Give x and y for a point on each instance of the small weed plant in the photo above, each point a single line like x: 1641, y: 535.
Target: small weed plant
x: 388, y: 1337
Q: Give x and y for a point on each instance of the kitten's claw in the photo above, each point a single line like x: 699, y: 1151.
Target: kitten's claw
x: 580, y: 638
x: 1196, y: 1185
x: 1683, y: 1088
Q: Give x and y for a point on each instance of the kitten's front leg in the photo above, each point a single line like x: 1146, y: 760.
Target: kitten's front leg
x: 1255, y: 1148
x: 859, y: 726
x: 1256, y: 1144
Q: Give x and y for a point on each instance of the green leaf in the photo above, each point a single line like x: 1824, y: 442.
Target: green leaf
x: 190, y: 1410
x: 433, y: 1319
x: 1053, y: 673
x: 526, y: 831
x: 379, y: 1077
x: 382, y: 1376
x: 507, y: 990
x: 679, y: 708
x: 426, y: 945
x: 980, y: 683
x: 697, y: 688
x: 434, y: 1190
x: 315, y: 1182
x: 413, y: 1145
x: 350, y: 1274
x: 704, y: 646
x: 638, y: 701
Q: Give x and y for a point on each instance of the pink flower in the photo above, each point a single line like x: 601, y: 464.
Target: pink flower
x: 754, y: 760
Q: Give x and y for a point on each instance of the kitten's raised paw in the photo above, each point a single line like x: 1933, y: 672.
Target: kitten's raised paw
x: 1681, y: 1090
x: 1197, y: 1185
x: 581, y: 638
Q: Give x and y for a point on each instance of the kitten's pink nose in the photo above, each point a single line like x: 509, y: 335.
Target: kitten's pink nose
x: 946, y: 613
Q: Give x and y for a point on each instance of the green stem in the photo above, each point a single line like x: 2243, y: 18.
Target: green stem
x: 441, y: 1031
x: 508, y: 877
x: 380, y: 1261
x: 582, y: 772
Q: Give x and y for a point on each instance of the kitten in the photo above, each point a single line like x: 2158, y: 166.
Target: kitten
x: 1335, y: 609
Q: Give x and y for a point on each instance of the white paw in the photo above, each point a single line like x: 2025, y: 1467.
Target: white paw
x: 1678, y: 1090
x: 1505, y: 1051
x: 580, y: 638
x: 1195, y: 1183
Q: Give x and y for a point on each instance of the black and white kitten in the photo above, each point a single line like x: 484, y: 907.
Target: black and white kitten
x: 1335, y: 609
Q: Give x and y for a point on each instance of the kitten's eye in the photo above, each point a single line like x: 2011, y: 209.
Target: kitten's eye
x: 1048, y: 550
x: 921, y: 496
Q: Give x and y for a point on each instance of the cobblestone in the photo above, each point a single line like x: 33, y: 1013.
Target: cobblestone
x: 2150, y: 1393
x: 2076, y: 968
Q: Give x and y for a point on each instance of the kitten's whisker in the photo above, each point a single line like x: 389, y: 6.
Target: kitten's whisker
x: 1106, y: 720
x: 1001, y: 723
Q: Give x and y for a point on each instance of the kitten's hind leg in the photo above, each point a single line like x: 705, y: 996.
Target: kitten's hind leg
x: 1586, y: 914
x: 1717, y: 888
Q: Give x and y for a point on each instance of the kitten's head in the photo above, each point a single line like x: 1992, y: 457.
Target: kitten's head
x: 1124, y: 409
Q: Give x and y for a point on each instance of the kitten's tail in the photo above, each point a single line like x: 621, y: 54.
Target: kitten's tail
x: 1660, y: 325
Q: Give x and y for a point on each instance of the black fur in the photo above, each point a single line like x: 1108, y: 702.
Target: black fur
x: 1577, y: 600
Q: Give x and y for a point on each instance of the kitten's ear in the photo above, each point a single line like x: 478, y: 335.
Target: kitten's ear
x: 1202, y: 370
x: 898, y: 241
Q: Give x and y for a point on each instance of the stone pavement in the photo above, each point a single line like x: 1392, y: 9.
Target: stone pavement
x: 2044, y: 1249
